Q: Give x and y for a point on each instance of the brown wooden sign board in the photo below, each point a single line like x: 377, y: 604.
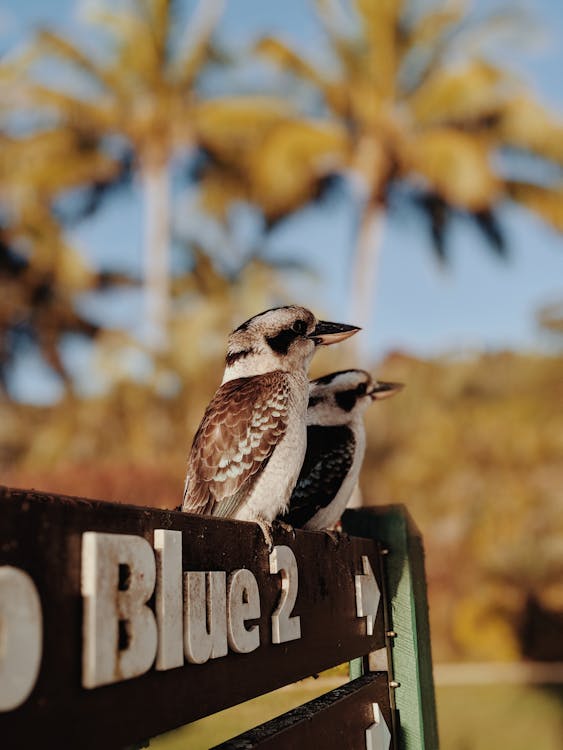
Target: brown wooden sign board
x: 50, y: 538
x: 337, y: 720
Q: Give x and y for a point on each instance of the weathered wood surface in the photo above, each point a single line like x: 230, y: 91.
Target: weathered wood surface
x: 405, y: 583
x: 335, y: 721
x: 42, y: 534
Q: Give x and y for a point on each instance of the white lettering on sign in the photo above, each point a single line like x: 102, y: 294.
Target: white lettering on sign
x: 205, y: 615
x: 367, y: 595
x: 284, y: 627
x: 21, y: 636
x: 169, y: 604
x: 378, y: 736
x: 119, y: 629
x: 244, y: 604
x: 198, y: 615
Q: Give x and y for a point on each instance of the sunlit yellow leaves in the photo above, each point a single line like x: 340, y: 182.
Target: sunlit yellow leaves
x: 455, y: 165
x: 232, y: 127
x: 381, y: 53
x: 72, y: 273
x: 288, y: 164
x: 51, y: 43
x: 220, y: 189
x: 76, y: 112
x: 546, y: 202
x: 463, y: 95
x: 526, y: 124
x: 51, y: 161
x: 431, y: 26
x: 277, y: 165
x: 281, y: 54
x: 194, y: 48
x: 276, y: 159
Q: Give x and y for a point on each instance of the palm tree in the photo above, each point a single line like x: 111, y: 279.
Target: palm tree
x: 424, y: 111
x: 141, y: 95
x: 41, y: 275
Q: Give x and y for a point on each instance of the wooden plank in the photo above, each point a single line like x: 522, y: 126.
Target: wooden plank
x: 43, y: 535
x: 335, y: 721
x: 406, y: 589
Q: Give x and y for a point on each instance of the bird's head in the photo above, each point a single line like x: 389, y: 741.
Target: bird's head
x: 340, y: 397
x: 284, y: 338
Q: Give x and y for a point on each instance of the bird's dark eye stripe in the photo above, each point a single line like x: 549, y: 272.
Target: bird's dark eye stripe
x: 299, y: 327
x: 361, y: 389
x: 314, y: 400
x: 346, y: 400
x: 280, y: 344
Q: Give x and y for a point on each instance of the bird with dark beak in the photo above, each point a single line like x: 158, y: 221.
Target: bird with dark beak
x: 250, y: 445
x: 336, y: 442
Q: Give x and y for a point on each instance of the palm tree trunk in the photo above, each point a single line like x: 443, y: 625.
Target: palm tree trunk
x: 363, y: 275
x: 155, y: 182
x: 363, y: 281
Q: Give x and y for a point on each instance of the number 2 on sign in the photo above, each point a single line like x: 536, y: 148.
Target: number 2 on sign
x: 284, y: 627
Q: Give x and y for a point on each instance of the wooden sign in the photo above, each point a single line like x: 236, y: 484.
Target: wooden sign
x: 120, y: 622
x: 352, y: 717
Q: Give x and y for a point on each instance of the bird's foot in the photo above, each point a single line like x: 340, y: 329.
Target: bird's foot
x: 266, y: 529
x: 334, y: 536
x: 287, y: 527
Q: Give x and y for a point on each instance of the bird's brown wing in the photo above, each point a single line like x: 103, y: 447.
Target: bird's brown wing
x: 244, y: 421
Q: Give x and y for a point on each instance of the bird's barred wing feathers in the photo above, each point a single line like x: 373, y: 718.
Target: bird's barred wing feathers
x: 329, y: 457
x: 245, y: 420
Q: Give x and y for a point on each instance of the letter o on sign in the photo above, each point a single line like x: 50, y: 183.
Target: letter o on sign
x: 21, y: 636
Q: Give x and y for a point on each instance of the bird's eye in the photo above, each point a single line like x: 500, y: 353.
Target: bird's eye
x: 299, y: 327
x: 361, y: 389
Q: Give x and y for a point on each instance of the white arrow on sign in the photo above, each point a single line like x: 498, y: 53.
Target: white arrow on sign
x: 378, y: 736
x: 367, y: 595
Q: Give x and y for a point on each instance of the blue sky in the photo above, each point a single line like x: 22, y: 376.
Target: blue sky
x: 477, y: 302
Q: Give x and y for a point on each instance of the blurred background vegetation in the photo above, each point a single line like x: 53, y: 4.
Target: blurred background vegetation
x: 107, y: 358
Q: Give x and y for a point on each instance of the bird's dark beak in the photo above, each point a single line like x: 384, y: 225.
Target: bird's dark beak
x: 331, y: 333
x: 381, y: 389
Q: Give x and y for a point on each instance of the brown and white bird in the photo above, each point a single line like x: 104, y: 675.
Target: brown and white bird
x: 336, y: 441
x: 249, y: 448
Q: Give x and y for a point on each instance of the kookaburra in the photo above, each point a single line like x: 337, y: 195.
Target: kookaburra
x: 249, y: 448
x: 336, y: 442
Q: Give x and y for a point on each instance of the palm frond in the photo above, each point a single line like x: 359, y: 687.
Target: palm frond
x: 196, y: 47
x: 460, y: 96
x: 547, y: 202
x: 51, y: 43
x: 289, y: 60
x: 526, y: 124
x: 455, y: 165
x: 289, y: 162
x: 436, y: 213
x: 489, y: 226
